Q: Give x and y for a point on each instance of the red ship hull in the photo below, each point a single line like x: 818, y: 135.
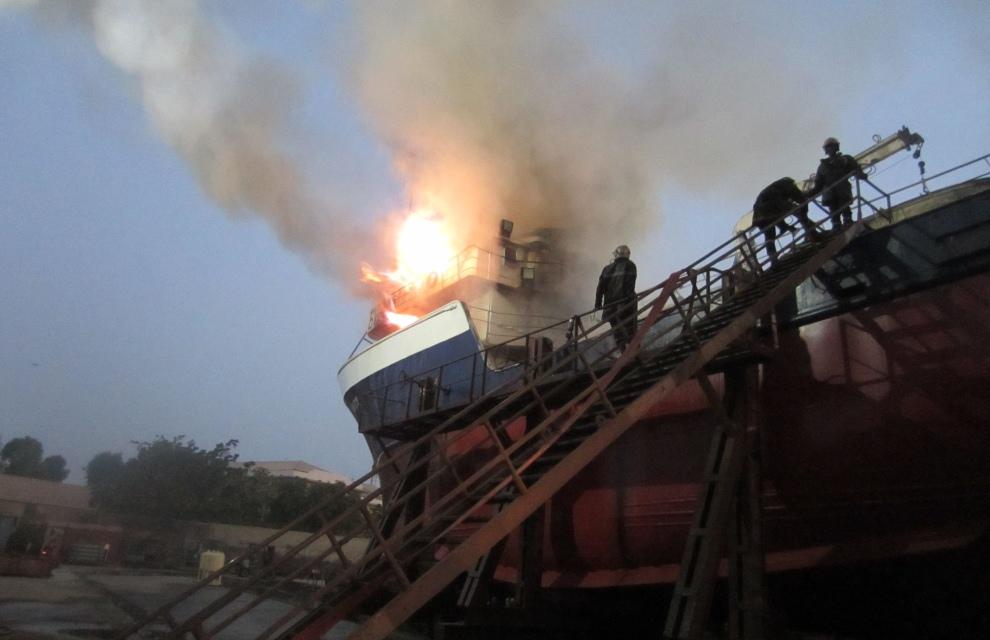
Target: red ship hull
x: 874, y: 421
x: 876, y: 443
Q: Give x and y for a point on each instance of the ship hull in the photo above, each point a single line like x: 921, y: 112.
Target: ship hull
x: 875, y: 423
x: 875, y: 434
x: 862, y: 458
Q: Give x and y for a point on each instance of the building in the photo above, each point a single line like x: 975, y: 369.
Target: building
x: 75, y: 532
x: 63, y: 509
x: 298, y: 469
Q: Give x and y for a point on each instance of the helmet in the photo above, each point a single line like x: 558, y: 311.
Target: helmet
x: 830, y: 142
x: 621, y: 251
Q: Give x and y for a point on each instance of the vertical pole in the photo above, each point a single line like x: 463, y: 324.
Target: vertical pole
x: 436, y: 403
x: 691, y: 601
x: 859, y: 202
x: 409, y: 382
x: 474, y: 363
x: 531, y: 571
x: 484, y: 371
x: 751, y: 511
x: 747, y: 575
x: 734, y: 578
x: 384, y: 406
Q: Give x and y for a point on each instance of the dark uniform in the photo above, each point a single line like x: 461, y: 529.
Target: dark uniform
x: 617, y: 292
x: 837, y: 198
x: 774, y: 201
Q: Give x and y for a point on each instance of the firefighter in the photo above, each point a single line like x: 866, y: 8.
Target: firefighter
x: 831, y: 181
x: 616, y: 296
x: 774, y: 201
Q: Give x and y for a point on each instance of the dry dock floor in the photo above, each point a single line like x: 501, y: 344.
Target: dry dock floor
x: 96, y: 602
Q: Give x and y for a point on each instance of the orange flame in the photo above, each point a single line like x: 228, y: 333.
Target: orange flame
x: 400, y: 320
x: 423, y: 247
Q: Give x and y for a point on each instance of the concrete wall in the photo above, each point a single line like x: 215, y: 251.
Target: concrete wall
x: 53, y: 501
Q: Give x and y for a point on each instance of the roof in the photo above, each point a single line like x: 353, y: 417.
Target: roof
x: 43, y: 492
x: 287, y: 467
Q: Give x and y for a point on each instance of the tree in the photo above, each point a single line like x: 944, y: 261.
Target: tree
x: 29, y: 535
x: 104, y: 469
x: 103, y: 477
x: 173, y: 479
x: 294, y: 496
x: 167, y: 479
x: 23, y: 457
x: 53, y: 468
x: 26, y: 539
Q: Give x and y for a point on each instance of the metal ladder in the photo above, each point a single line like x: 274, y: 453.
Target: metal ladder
x: 728, y: 517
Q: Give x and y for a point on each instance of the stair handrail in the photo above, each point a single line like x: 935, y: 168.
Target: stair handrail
x: 742, y: 238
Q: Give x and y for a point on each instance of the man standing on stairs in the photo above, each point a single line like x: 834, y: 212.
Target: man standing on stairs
x: 775, y: 200
x: 832, y: 181
x: 616, y: 295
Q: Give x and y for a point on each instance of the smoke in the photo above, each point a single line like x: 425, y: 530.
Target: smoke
x: 225, y: 114
x: 494, y: 110
x: 520, y: 110
x: 550, y: 114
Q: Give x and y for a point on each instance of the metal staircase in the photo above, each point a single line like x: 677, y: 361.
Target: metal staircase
x: 487, y: 466
x: 574, y: 401
x: 522, y: 474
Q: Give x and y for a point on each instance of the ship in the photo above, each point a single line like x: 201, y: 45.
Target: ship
x: 801, y: 412
x: 875, y: 438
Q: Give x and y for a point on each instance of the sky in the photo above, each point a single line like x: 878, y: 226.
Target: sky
x: 187, y: 189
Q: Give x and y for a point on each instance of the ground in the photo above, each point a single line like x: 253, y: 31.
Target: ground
x: 96, y: 602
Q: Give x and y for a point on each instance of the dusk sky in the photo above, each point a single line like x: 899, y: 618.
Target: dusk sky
x: 181, y: 235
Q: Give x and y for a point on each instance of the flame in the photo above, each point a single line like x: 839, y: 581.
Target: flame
x: 423, y: 247
x: 400, y: 320
x: 368, y: 274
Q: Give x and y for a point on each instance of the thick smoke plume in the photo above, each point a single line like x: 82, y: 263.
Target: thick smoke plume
x: 508, y: 109
x: 492, y: 109
x: 226, y: 115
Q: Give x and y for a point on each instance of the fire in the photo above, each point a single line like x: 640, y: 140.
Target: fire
x: 400, y: 320
x: 422, y: 248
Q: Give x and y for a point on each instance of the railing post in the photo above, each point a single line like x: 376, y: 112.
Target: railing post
x: 749, y: 253
x: 859, y: 201
x: 384, y: 406
x: 474, y: 363
x: 484, y: 371
x: 410, y: 382
x: 436, y: 404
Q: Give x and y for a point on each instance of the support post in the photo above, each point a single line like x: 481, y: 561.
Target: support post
x: 747, y: 570
x: 528, y: 590
x: 475, y: 593
x: 691, y: 602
